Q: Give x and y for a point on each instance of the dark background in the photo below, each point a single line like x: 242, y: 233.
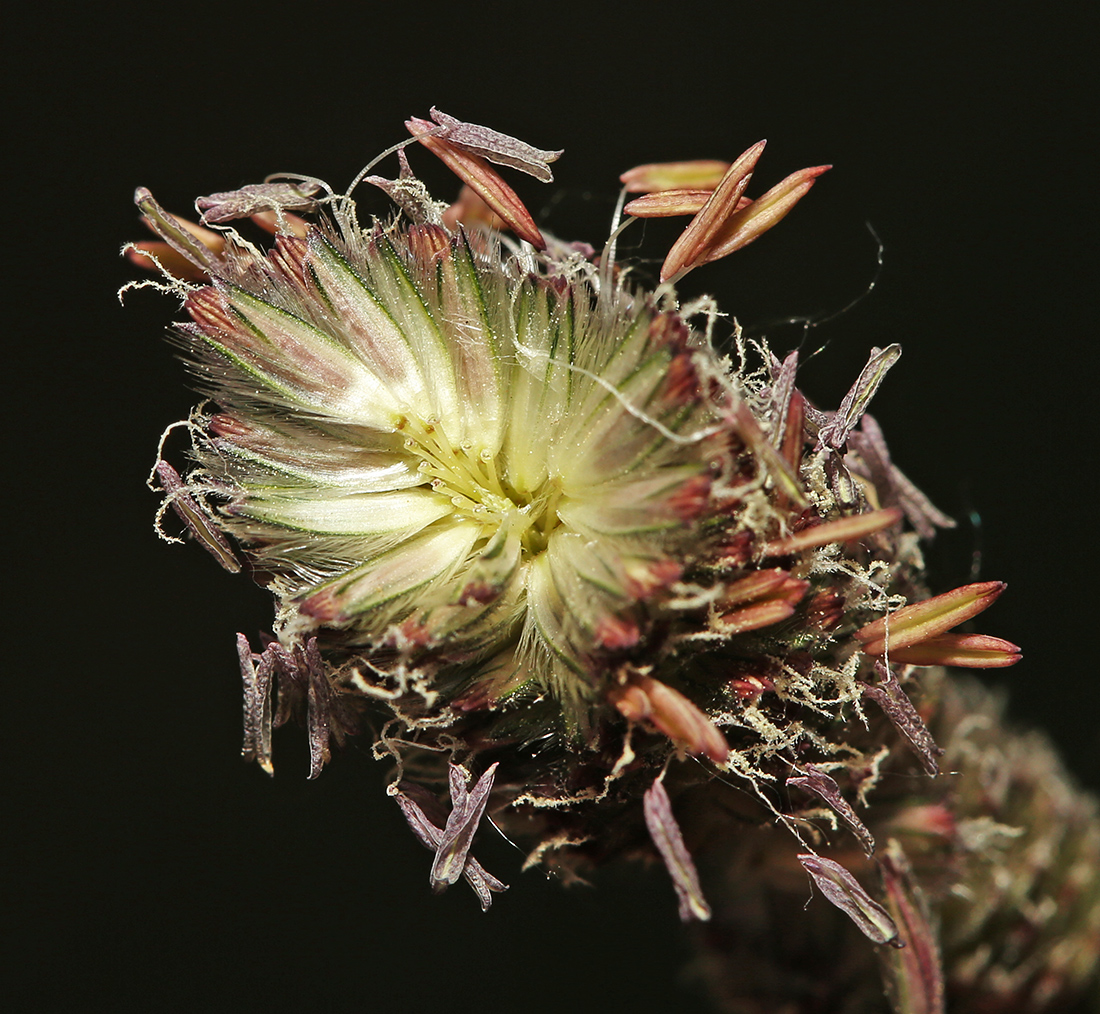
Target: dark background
x: 153, y: 870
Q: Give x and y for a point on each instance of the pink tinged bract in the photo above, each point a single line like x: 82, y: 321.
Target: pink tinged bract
x: 966, y: 651
x: 196, y: 518
x: 846, y: 529
x: 258, y: 197
x: 644, y: 699
x: 720, y: 228
x: 753, y: 220
x: 185, y: 238
x: 669, y: 842
x: 816, y: 782
x: 834, y: 434
x: 701, y: 236
x: 482, y: 179
x: 695, y: 174
x: 758, y: 600
x: 922, y: 620
x: 914, y: 973
x: 844, y: 891
x: 430, y: 834
x: 257, y: 685
x: 467, y: 808
x: 672, y: 203
x: 897, y: 707
x: 497, y: 147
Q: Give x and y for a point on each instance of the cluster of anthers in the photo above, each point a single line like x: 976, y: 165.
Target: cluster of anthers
x: 522, y: 518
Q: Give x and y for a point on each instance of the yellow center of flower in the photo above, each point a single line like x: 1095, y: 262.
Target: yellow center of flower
x: 479, y: 489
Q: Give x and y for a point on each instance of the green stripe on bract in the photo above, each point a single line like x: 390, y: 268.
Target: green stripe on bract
x: 369, y: 328
x: 477, y: 351
x: 412, y: 311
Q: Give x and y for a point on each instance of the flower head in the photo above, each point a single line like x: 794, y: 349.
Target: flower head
x: 529, y: 510
x: 432, y: 453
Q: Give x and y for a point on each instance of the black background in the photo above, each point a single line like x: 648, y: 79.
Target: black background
x: 153, y: 870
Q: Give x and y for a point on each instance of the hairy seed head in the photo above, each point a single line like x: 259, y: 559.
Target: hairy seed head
x: 527, y: 513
